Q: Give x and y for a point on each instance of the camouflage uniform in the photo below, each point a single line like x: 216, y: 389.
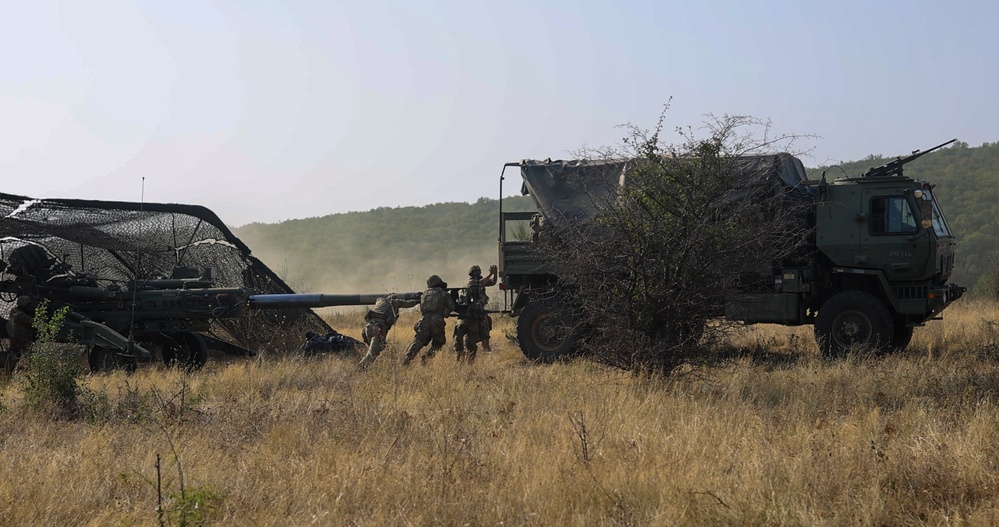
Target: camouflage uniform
x: 435, y: 304
x: 473, y: 327
x: 20, y: 330
x: 380, y: 319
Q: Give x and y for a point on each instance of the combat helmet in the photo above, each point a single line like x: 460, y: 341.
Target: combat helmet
x: 474, y: 270
x: 435, y: 281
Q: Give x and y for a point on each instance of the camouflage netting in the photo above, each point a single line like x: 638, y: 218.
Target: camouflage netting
x: 116, y: 242
x: 578, y: 190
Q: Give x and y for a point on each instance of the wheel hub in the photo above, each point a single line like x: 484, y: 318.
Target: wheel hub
x: 852, y: 328
x: 549, y: 332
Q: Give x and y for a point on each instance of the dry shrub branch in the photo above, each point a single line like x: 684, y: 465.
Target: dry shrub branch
x: 686, y: 226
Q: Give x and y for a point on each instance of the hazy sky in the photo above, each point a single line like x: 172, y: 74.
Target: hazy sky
x: 270, y: 110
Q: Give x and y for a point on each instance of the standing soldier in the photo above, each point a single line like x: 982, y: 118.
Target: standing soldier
x: 435, y: 304
x: 380, y: 319
x: 474, y: 325
x: 20, y: 330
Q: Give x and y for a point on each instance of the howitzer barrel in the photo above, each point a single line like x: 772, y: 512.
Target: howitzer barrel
x: 285, y: 301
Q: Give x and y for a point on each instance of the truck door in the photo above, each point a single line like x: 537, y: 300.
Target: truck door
x: 838, y: 226
x: 892, y: 239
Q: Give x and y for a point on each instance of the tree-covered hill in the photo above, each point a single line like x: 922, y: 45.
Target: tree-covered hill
x: 397, y: 248
x: 385, y: 249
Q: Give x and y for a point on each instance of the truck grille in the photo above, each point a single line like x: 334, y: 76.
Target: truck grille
x: 910, y: 292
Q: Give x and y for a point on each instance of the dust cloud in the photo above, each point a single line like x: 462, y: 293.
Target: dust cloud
x: 384, y: 274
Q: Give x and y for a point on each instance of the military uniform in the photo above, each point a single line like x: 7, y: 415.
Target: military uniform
x: 20, y: 331
x: 474, y: 326
x: 435, y: 305
x: 380, y: 319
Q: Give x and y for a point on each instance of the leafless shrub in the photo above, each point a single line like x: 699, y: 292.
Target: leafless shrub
x: 689, y: 227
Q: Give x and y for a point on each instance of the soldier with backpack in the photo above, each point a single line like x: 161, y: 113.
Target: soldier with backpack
x: 474, y: 325
x: 435, y: 305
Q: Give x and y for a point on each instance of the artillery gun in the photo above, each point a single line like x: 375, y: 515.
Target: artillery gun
x: 142, y: 278
x: 121, y: 325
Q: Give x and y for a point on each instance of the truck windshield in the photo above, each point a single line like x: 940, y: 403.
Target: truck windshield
x: 939, y: 223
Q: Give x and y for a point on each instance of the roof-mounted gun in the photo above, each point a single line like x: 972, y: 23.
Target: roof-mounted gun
x: 894, y: 168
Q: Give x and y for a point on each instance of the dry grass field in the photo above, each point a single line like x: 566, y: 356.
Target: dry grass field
x: 772, y: 435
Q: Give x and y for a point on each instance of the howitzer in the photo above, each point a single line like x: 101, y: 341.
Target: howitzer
x: 894, y: 168
x: 120, y: 324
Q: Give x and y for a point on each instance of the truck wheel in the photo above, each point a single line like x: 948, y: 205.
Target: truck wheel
x: 853, y: 319
x: 545, y: 331
x: 185, y: 349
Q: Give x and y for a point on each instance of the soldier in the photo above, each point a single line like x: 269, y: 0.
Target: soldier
x: 435, y: 304
x: 20, y: 330
x: 380, y: 319
x: 475, y: 324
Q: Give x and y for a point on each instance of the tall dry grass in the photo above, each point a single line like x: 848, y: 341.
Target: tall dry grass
x: 772, y: 435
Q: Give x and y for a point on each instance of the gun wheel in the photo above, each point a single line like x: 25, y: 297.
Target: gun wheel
x: 185, y: 349
x: 101, y: 359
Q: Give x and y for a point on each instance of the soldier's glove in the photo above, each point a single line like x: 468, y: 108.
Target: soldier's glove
x: 493, y: 269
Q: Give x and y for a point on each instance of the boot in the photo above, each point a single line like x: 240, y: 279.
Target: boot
x: 430, y: 354
x: 471, y: 353
x: 366, y: 360
x: 410, y: 355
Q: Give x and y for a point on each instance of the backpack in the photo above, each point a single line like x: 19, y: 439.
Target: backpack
x: 432, y: 302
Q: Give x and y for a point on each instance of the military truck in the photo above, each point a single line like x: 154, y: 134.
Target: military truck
x: 879, y: 255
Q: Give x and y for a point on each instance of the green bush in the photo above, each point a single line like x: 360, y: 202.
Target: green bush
x: 53, y: 369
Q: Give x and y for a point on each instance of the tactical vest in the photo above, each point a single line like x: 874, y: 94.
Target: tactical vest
x: 383, y: 310
x: 432, y: 302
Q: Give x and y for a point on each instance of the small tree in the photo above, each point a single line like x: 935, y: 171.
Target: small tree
x: 693, y: 224
x: 53, y: 368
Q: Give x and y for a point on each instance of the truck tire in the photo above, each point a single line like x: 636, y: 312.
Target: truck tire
x: 186, y: 350
x: 853, y: 319
x: 545, y: 331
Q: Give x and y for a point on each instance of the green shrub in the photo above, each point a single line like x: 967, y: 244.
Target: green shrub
x: 53, y: 371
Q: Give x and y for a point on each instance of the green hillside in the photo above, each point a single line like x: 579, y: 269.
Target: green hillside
x: 385, y: 249
x: 397, y: 248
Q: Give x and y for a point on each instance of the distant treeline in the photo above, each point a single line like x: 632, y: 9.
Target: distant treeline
x: 396, y: 248
x: 385, y: 249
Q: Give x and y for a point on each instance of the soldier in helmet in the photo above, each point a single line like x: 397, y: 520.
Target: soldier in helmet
x: 380, y: 319
x: 474, y: 325
x: 435, y: 304
x: 20, y: 330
